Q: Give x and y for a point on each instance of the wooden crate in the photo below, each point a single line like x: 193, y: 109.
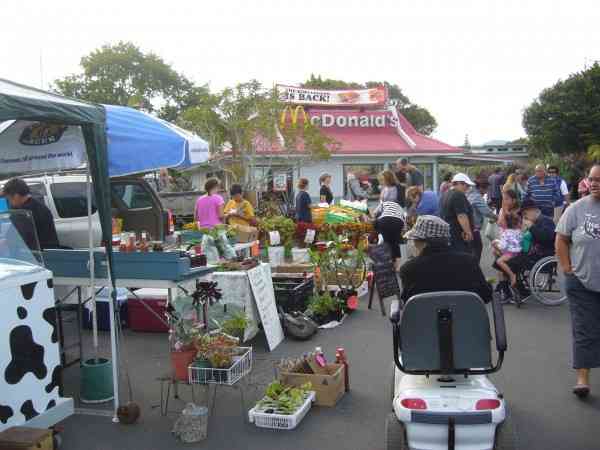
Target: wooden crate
x: 25, y: 438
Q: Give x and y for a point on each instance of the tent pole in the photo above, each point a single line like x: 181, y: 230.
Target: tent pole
x: 113, y: 344
x: 92, y: 262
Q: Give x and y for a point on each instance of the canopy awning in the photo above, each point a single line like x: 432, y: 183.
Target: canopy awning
x: 139, y: 142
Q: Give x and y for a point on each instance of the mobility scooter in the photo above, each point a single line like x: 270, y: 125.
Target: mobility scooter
x: 442, y: 398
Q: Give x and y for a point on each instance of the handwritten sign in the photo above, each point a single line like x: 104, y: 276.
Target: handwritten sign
x: 264, y: 297
x: 386, y: 280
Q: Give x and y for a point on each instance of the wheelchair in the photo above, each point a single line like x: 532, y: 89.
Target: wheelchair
x: 543, y: 282
x: 441, y: 395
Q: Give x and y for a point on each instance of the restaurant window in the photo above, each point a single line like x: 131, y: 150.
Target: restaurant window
x: 367, y: 175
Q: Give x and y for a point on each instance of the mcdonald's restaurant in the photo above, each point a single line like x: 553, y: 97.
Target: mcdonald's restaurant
x: 370, y: 138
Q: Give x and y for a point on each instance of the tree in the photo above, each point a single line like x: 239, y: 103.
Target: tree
x: 121, y: 74
x: 565, y: 118
x: 244, y: 122
x: 419, y: 117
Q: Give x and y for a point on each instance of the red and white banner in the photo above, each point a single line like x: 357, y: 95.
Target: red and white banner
x: 351, y: 97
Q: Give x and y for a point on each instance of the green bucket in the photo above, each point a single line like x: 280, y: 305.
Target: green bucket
x: 96, y: 381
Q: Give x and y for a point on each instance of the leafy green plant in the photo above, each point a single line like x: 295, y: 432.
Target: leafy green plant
x: 285, y: 226
x: 236, y: 325
x: 281, y: 399
x: 322, y: 305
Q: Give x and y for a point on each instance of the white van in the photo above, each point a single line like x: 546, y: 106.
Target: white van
x: 132, y: 199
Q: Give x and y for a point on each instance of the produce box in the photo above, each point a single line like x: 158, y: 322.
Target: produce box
x: 129, y: 265
x: 279, y: 421
x: 73, y: 263
x: 329, y: 388
x: 292, y: 291
x: 245, y: 234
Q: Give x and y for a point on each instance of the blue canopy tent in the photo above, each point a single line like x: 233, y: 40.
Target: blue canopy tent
x: 139, y: 142
x: 43, y: 132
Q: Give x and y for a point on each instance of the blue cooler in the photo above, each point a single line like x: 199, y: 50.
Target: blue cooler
x: 103, y: 311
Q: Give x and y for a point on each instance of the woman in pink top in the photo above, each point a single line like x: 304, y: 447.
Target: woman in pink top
x: 209, y: 207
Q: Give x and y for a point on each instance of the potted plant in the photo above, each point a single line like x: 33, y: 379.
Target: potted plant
x: 324, y: 308
x: 183, y: 334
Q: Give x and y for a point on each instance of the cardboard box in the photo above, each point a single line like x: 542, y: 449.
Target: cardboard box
x: 294, y: 268
x: 329, y: 388
x: 246, y: 234
x: 26, y: 438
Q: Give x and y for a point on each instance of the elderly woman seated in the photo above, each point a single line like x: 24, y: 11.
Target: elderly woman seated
x: 437, y: 267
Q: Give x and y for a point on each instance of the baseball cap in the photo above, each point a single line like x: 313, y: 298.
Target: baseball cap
x: 462, y: 178
x: 428, y: 228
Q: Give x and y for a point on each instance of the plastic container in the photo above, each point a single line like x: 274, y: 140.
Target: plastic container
x: 102, y: 310
x: 150, y: 316
x: 276, y: 256
x: 280, y: 421
x: 293, y: 291
x: 300, y: 255
x: 96, y: 380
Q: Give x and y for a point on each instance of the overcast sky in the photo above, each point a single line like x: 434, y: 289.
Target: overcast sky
x: 474, y: 64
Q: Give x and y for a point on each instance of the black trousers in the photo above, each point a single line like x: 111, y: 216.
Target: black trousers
x: 391, y: 230
x: 585, y: 319
x: 477, y: 245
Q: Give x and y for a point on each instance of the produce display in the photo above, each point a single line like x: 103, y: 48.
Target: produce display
x: 281, y: 399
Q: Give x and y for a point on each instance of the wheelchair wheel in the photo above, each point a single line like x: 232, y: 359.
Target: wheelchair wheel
x: 544, y: 282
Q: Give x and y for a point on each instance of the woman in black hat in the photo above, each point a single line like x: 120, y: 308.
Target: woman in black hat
x: 437, y: 266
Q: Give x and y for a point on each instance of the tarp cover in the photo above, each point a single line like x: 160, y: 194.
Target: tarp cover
x: 139, y: 142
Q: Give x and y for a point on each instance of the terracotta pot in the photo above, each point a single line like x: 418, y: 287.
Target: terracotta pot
x: 180, y: 362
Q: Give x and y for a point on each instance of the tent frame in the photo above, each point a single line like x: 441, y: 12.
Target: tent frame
x: 20, y: 102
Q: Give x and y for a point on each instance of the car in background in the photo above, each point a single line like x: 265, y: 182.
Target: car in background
x: 65, y: 194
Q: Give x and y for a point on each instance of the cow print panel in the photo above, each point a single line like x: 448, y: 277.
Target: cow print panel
x: 21, y: 312
x: 28, y: 410
x: 27, y: 356
x: 6, y: 413
x: 49, y: 315
x: 51, y: 404
x: 50, y: 283
x: 28, y: 290
x: 55, y: 379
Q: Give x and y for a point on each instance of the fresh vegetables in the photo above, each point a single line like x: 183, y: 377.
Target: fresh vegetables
x: 281, y: 399
x: 286, y: 228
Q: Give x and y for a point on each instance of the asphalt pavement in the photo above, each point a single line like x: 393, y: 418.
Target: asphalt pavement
x: 536, y: 380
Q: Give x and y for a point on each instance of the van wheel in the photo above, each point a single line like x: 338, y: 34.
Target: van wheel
x: 395, y: 434
x: 506, y: 436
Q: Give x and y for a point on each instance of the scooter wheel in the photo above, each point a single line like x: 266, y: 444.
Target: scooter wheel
x: 506, y: 437
x: 395, y: 434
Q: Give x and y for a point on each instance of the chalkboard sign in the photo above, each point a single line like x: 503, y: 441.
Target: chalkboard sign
x: 386, y: 280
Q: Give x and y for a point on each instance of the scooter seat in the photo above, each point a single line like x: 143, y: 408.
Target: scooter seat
x: 445, y: 332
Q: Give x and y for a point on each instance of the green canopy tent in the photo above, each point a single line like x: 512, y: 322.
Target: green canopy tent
x: 19, y: 102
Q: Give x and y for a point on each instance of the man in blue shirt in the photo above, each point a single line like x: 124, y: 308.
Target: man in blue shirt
x: 543, y: 191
